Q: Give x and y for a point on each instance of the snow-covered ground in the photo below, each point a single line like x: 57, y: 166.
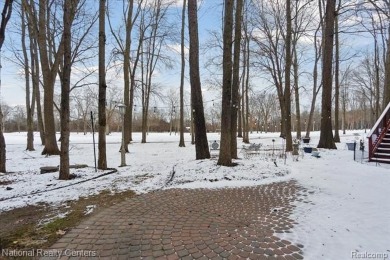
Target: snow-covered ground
x: 349, y: 216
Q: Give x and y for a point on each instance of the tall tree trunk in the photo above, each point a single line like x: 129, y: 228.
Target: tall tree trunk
x: 29, y: 108
x: 336, y: 78
x: 102, y: 158
x: 296, y: 92
x: 225, y: 157
x: 144, y: 123
x: 246, y: 114
x: 5, y: 16
x: 127, y: 77
x: 386, y: 90
x: 183, y: 64
x: 344, y: 118
x: 295, y: 64
x: 153, y: 48
x: 326, y: 135
x: 132, y: 79
x: 377, y: 81
x: 239, y: 116
x: 236, y: 78
x: 243, y: 97
x: 192, y: 130
x: 41, y: 125
x: 287, y: 74
x: 35, y: 74
x: 316, y: 88
x: 69, y: 7
x: 201, y: 144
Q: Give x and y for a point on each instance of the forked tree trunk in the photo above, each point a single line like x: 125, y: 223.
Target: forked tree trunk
x: 49, y: 72
x: 35, y: 74
x: 29, y: 107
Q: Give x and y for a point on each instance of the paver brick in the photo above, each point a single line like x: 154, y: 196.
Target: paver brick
x: 198, y: 223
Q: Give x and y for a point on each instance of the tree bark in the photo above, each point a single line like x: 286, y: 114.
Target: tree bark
x: 69, y: 6
x: 236, y: 78
x: 316, y: 88
x: 49, y: 72
x: 225, y: 156
x: 243, y: 96
x: 386, y: 90
x: 201, y: 143
x: 29, y: 107
x: 336, y: 78
x: 326, y: 135
x: 246, y: 114
x: 287, y: 89
x: 126, y: 77
x: 5, y: 16
x: 183, y: 64
x: 35, y: 74
x: 296, y: 91
x: 102, y: 157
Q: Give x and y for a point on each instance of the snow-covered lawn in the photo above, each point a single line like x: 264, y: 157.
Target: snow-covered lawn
x: 349, y: 213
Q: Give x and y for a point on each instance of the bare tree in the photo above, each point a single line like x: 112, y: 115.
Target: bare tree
x: 35, y: 74
x: 316, y: 85
x: 83, y: 99
x: 382, y: 8
x: 286, y: 106
x: 236, y: 78
x: 274, y: 56
x: 326, y: 135
x: 50, y: 58
x: 102, y: 157
x: 201, y: 144
x: 69, y: 10
x: 225, y: 154
x: 364, y: 77
x: 154, y: 24
x: 336, y: 75
x: 131, y: 12
x: 303, y: 19
x: 172, y: 100
x: 246, y: 53
x: 29, y: 104
x: 5, y: 16
x: 183, y: 64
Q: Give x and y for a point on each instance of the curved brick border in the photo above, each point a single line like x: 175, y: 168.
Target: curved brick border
x: 225, y: 223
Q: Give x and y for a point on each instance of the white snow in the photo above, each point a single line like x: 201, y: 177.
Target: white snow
x: 348, y: 214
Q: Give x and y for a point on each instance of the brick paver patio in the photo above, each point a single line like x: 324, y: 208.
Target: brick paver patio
x: 227, y: 223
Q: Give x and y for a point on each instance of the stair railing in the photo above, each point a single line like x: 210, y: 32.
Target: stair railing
x: 378, y: 131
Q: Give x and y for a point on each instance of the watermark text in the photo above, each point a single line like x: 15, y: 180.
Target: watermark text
x: 369, y: 255
x: 48, y: 253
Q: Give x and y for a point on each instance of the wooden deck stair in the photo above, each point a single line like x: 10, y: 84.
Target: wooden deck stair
x: 379, y: 139
x: 382, y: 153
